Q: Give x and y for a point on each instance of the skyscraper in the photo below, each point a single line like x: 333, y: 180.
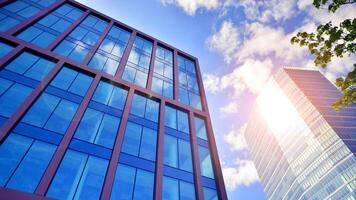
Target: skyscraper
x: 91, y: 108
x: 301, y: 147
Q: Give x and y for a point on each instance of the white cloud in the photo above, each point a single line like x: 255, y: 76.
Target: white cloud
x: 251, y: 76
x: 226, y: 40
x: 191, y: 6
x: 264, y: 40
x: 229, y: 108
x: 211, y: 82
x: 267, y: 10
x: 244, y: 174
x: 236, y: 139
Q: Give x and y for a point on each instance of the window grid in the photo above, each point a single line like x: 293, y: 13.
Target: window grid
x: 15, y: 12
x: 82, y: 39
x: 138, y: 64
x: 47, y: 29
x: 109, y: 53
x: 162, y: 82
x: 189, y: 92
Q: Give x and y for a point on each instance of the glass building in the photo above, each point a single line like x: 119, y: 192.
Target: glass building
x: 301, y: 147
x: 91, y: 108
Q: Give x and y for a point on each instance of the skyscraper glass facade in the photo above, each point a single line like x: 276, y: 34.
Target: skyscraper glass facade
x: 301, y: 147
x: 91, y: 108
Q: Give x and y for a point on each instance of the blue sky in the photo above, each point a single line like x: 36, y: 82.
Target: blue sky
x: 239, y: 45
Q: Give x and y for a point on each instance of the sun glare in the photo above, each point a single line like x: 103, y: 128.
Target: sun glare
x: 277, y: 110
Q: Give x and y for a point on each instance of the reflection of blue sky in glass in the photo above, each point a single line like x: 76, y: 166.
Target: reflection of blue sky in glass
x: 239, y: 44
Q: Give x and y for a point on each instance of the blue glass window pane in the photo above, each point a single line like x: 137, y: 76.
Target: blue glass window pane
x: 90, y: 38
x: 98, y: 61
x: 144, y: 185
x: 111, y: 66
x: 22, y: 63
x: 131, y: 143
x: 32, y: 167
x: 152, y: 110
x: 206, y: 167
x: 185, y: 156
x: 170, y: 151
x: 107, y: 131
x: 5, y: 49
x: 129, y: 74
x: 8, y: 23
x: 148, y: 144
x: 62, y: 116
x: 28, y: 12
x: 79, y: 53
x: 103, y: 92
x: 138, y: 105
x: 44, y: 39
x: 64, y: 78
x: 124, y: 183
x: 170, y: 118
x: 4, y: 85
x: 186, y: 191
x: 13, y: 98
x: 44, y: 105
x: 68, y: 175
x: 157, y: 85
x: 168, y: 90
x: 40, y: 69
x: 141, y: 78
x: 92, y: 179
x: 200, y: 128
x: 118, y: 98
x: 11, y: 152
x: 89, y: 125
x: 170, y: 189
x: 81, y: 84
x: 183, y: 96
x: 64, y: 48
x: 209, y: 194
x: 183, y: 124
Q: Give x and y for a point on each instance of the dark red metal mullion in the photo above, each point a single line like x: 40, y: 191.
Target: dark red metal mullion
x: 125, y: 56
x: 98, y: 43
x: 159, y: 157
x: 34, y: 18
x: 61, y: 149
x: 219, y: 179
x: 152, y: 63
x: 68, y: 31
x: 12, y: 54
x: 110, y: 175
x: 175, y: 75
x: 195, y: 155
x: 11, y: 122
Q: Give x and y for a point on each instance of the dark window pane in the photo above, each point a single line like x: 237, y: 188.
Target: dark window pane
x: 124, y: 183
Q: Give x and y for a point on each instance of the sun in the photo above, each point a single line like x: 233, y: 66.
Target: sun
x: 277, y: 110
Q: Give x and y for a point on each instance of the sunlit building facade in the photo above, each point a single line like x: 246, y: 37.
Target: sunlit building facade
x: 91, y: 108
x: 301, y: 148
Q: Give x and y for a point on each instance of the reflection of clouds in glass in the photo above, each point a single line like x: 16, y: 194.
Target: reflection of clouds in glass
x: 134, y: 57
x: 107, y: 45
x: 111, y: 66
x: 80, y: 46
x: 118, y: 50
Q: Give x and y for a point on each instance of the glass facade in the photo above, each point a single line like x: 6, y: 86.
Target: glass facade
x: 311, y: 157
x: 82, y: 39
x: 85, y: 115
x: 17, y: 11
x: 46, y: 30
